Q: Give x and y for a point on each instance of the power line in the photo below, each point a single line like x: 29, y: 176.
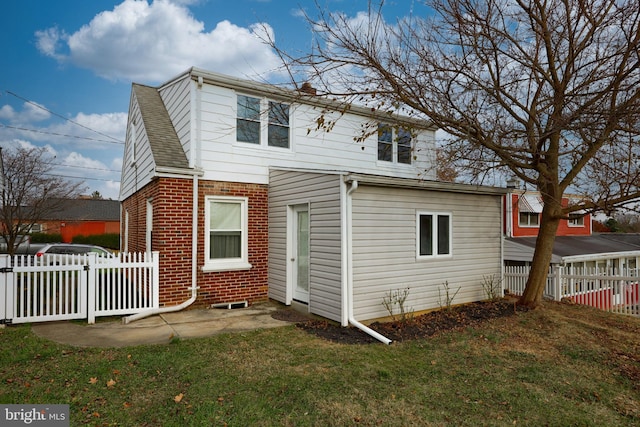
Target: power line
x: 61, y: 116
x: 80, y: 177
x: 59, y: 134
x: 86, y: 167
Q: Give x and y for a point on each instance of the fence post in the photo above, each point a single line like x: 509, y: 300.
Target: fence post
x: 92, y: 259
x: 557, y: 283
x: 156, y: 278
x: 6, y: 291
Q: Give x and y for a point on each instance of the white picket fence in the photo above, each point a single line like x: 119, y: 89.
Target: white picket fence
x: 64, y: 287
x: 605, y: 290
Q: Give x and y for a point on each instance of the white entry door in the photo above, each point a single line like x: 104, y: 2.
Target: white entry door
x: 300, y: 253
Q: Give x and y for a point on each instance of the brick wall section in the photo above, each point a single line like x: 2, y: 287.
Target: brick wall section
x: 243, y: 285
x: 172, y: 218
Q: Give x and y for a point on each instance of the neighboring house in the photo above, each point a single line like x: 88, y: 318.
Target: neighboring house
x: 245, y: 198
x: 80, y: 217
x: 576, y: 247
x: 522, y: 216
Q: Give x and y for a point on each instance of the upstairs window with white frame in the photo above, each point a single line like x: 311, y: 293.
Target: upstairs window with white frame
x: 226, y: 233
x: 394, y: 144
x: 434, y: 234
x: 262, y: 122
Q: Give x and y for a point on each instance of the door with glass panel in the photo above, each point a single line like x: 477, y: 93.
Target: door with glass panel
x: 299, y: 228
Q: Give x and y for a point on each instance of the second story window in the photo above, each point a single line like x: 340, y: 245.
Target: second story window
x: 262, y: 122
x: 278, y: 125
x: 248, y: 123
x: 394, y: 144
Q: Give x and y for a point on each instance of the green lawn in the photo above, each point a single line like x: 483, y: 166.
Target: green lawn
x: 560, y: 365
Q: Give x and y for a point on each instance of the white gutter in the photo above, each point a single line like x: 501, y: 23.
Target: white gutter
x: 194, y: 267
x: 349, y: 284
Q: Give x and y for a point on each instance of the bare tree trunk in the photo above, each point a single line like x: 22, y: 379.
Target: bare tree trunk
x: 537, y: 280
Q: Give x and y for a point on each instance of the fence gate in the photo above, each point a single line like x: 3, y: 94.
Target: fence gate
x: 65, y: 287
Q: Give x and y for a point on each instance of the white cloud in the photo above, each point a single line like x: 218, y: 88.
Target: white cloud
x: 78, y: 160
x: 30, y: 113
x: 153, y: 42
x: 33, y: 123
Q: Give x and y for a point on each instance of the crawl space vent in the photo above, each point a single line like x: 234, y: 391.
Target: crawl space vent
x: 231, y: 305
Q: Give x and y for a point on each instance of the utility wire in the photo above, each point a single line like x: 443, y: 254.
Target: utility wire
x: 61, y: 116
x: 59, y: 134
x: 79, y: 177
x: 86, y: 167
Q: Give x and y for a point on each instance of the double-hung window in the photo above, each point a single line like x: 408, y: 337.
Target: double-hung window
x: 262, y: 122
x: 394, y: 144
x: 226, y: 240
x: 248, y: 122
x: 434, y: 234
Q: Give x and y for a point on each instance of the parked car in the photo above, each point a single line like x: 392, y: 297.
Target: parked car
x: 60, y: 253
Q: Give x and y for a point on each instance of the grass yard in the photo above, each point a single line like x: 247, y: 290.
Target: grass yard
x: 559, y: 365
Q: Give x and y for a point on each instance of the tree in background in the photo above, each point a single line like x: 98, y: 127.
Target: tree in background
x: 29, y: 192
x: 546, y: 90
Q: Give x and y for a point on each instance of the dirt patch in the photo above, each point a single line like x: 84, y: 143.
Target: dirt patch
x: 289, y: 314
x: 422, y: 326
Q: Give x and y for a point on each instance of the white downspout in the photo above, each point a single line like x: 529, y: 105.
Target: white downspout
x: 194, y: 267
x: 352, y: 319
x: 194, y: 225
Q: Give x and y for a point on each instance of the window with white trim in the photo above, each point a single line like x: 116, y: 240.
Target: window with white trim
x: 434, y: 234
x: 529, y: 219
x: 262, y: 122
x: 394, y: 144
x: 576, y: 220
x: 226, y: 233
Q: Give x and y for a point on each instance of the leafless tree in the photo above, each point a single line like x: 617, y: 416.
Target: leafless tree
x: 29, y: 192
x: 546, y: 90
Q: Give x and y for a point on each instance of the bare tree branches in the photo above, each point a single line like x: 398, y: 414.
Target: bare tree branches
x: 548, y: 90
x: 29, y: 192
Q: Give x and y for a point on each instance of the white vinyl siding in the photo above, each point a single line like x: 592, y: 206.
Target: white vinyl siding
x: 322, y: 194
x: 224, y: 158
x: 135, y: 176
x: 385, y: 250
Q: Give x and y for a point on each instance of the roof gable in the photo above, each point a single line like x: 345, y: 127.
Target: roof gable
x: 163, y: 139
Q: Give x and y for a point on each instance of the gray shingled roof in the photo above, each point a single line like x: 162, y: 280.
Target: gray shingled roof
x: 163, y: 139
x: 85, y: 210
x: 564, y: 246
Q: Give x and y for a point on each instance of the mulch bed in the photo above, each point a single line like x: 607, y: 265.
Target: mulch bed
x: 422, y: 326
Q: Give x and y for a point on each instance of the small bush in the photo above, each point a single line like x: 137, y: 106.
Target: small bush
x: 45, y: 237
x: 108, y: 240
x: 492, y: 287
x: 446, y: 300
x: 398, y: 298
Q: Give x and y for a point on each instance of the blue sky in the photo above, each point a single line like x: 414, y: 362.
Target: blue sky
x: 67, y: 65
